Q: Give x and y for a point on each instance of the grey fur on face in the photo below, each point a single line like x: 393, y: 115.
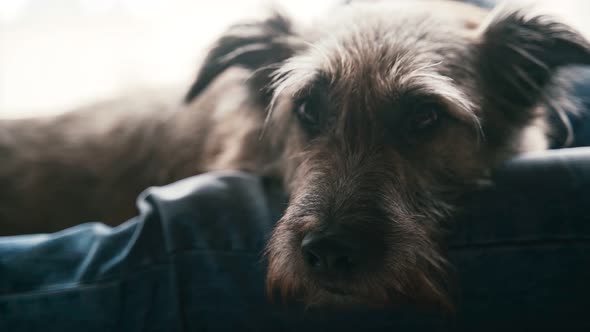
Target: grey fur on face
x: 376, y: 118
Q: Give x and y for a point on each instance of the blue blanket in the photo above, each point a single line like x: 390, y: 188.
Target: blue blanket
x: 192, y: 261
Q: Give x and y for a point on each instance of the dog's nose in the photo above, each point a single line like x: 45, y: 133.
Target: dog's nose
x: 329, y: 253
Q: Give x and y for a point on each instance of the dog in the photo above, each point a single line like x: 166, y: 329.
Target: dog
x: 376, y: 118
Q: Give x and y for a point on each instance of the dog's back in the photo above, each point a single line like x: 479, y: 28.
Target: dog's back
x: 90, y: 164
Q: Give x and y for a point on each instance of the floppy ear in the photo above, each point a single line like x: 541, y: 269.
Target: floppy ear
x: 253, y: 45
x: 519, y: 55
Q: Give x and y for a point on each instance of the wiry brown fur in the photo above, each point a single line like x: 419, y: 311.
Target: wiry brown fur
x: 365, y: 71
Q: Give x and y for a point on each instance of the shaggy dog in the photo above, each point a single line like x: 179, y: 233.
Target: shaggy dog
x: 376, y: 119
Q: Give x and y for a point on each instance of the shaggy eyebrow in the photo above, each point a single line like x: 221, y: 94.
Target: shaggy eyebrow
x: 293, y: 77
x: 442, y: 89
x: 425, y: 79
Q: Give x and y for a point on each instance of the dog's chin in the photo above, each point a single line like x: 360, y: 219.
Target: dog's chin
x: 321, y: 293
x: 332, y: 298
x: 338, y: 298
x: 358, y: 293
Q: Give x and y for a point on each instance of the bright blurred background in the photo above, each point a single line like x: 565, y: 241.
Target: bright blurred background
x: 57, y: 54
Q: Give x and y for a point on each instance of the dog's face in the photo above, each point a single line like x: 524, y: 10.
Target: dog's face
x: 387, y: 127
x: 386, y: 114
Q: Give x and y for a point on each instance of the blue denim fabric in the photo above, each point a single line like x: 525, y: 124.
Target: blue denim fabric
x: 192, y: 261
x: 198, y: 241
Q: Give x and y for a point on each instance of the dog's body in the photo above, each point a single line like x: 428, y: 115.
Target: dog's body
x: 92, y: 163
x: 376, y: 120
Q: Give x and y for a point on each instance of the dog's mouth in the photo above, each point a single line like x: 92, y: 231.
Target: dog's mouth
x: 347, y: 290
x: 364, y: 290
x: 335, y: 290
x: 328, y: 295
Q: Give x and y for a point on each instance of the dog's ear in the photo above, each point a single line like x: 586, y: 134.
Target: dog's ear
x: 253, y: 45
x: 518, y: 56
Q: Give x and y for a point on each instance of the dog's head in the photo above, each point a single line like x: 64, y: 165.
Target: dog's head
x: 386, y: 113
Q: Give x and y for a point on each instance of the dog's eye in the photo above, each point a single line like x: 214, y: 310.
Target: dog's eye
x: 305, y: 114
x: 425, y: 116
